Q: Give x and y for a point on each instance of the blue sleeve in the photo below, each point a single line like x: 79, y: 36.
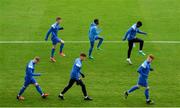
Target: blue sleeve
x: 127, y: 33
x: 60, y: 28
x: 140, y: 32
x: 48, y: 33
x: 30, y: 73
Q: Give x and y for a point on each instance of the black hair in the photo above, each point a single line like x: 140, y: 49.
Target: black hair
x: 96, y: 21
x: 139, y: 24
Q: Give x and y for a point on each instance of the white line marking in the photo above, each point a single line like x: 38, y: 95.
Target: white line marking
x: 40, y: 42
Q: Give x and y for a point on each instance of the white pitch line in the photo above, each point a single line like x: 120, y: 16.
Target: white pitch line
x: 40, y: 42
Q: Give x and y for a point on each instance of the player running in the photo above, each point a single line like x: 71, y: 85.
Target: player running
x: 93, y: 36
x: 143, y: 71
x: 29, y: 79
x: 75, y: 77
x: 131, y: 37
x: 54, y: 38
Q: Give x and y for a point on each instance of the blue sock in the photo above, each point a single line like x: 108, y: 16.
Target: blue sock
x: 22, y: 91
x: 146, y: 92
x: 61, y: 47
x: 39, y: 89
x: 100, y: 42
x: 90, y: 51
x: 52, y: 52
x: 133, y: 89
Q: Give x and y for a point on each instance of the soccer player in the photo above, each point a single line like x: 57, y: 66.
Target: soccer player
x: 94, y: 32
x: 75, y: 77
x: 29, y: 79
x: 143, y: 71
x: 131, y: 37
x: 54, y: 38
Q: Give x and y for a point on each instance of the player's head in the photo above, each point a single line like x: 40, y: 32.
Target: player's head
x: 96, y: 21
x: 36, y: 59
x: 58, y: 19
x: 150, y: 58
x: 82, y: 56
x: 138, y: 24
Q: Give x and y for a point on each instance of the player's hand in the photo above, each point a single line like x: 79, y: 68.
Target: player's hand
x: 61, y: 28
x: 46, y: 39
x: 123, y: 39
x: 83, y: 76
x: 151, y: 69
x: 38, y: 74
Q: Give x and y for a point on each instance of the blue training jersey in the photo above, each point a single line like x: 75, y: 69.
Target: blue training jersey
x: 131, y: 33
x: 144, y: 69
x: 93, y: 32
x: 76, y: 70
x: 53, y: 31
x: 30, y: 70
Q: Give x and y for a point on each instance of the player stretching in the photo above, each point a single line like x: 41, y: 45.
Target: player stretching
x: 54, y: 38
x: 94, y: 35
x: 131, y: 37
x: 29, y: 79
x: 143, y: 71
x: 75, y: 77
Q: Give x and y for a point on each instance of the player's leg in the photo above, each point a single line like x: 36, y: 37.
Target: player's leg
x: 141, y: 42
x: 130, y: 45
x: 53, y: 51
x: 38, y: 88
x: 61, y: 48
x: 131, y: 90
x: 100, y: 42
x: 19, y: 96
x: 70, y: 84
x: 83, y: 87
x: 146, y: 93
x: 91, y: 49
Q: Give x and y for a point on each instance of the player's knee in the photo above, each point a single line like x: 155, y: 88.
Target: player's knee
x: 53, y: 47
x: 142, y: 41
x: 62, y: 42
x: 36, y: 84
x: 102, y: 38
x: 91, y: 48
x: 147, y: 88
x: 24, y: 87
x: 82, y: 85
x: 69, y: 86
x: 138, y: 86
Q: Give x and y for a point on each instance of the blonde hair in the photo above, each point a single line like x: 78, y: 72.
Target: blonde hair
x: 37, y: 58
x: 151, y: 56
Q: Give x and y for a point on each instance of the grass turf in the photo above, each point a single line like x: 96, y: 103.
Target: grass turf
x: 109, y: 75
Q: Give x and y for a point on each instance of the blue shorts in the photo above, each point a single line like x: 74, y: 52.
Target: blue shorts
x: 97, y: 37
x: 92, y: 42
x: 29, y: 81
x: 55, y: 41
x: 142, y: 81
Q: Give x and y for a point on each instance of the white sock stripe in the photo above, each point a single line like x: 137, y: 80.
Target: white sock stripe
x: 40, y: 42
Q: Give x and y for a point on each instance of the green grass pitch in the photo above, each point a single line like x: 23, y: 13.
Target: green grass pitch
x: 109, y: 75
